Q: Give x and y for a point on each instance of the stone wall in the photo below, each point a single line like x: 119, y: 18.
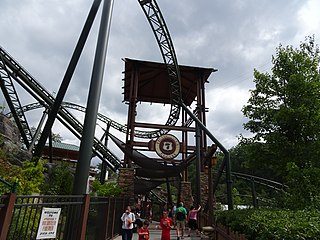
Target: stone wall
x: 186, y: 194
x: 204, y: 188
x: 126, y: 181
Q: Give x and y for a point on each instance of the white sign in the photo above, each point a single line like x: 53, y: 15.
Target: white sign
x: 48, y: 223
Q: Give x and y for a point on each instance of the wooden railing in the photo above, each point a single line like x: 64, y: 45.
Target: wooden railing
x: 224, y: 233
x: 217, y: 231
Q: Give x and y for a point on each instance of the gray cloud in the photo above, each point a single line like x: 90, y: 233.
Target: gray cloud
x: 233, y: 36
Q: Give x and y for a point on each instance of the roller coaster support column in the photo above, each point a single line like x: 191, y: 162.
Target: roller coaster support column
x: 103, y: 172
x: 38, y: 130
x: 198, y: 166
x: 66, y: 79
x: 85, y: 153
x: 254, y: 194
x: 226, y: 159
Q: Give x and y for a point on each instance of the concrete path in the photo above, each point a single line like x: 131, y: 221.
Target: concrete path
x: 155, y: 234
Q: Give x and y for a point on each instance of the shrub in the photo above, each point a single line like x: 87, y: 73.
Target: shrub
x: 109, y: 189
x: 31, y: 179
x: 59, y: 180
x: 273, y: 224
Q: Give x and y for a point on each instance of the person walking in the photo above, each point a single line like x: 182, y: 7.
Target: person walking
x: 127, y: 218
x: 144, y: 231
x: 181, y: 220
x: 166, y: 225
x: 192, y: 219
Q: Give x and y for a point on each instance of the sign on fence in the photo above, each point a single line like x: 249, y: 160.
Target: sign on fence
x: 48, y: 223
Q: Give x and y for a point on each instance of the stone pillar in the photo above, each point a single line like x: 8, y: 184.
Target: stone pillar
x: 186, y: 194
x: 126, y: 181
x: 204, y: 188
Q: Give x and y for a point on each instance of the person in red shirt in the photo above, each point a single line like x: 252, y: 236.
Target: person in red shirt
x: 166, y: 225
x: 144, y: 231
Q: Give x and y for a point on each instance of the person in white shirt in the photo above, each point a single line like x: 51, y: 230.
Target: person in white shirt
x: 127, y: 218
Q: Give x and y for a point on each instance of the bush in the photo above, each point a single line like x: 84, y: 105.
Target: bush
x: 31, y: 179
x: 109, y: 189
x: 59, y: 181
x: 273, y: 224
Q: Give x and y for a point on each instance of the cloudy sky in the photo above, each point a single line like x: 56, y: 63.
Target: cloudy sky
x: 232, y: 36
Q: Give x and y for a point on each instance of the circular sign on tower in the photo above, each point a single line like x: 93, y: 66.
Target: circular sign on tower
x: 167, y: 146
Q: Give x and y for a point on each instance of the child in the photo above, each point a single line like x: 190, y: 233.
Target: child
x: 144, y: 231
x: 166, y: 225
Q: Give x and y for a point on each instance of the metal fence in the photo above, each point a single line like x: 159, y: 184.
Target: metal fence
x: 81, y: 217
x: 105, y: 217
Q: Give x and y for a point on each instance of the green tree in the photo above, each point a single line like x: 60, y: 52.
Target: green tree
x: 59, y: 180
x: 56, y: 137
x: 31, y: 178
x: 284, y: 116
x: 108, y: 189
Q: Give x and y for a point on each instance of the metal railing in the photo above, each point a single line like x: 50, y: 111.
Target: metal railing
x: 13, y: 186
x: 81, y: 216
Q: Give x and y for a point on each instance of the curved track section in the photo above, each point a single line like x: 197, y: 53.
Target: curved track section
x: 161, y: 33
x: 120, y: 127
x: 9, y: 92
x: 9, y: 67
x: 11, y: 70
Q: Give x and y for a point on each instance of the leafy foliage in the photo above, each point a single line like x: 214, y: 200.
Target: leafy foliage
x: 273, y: 224
x: 31, y: 178
x: 59, y: 180
x: 304, y: 187
x: 8, y: 173
x: 284, y: 116
x: 109, y: 189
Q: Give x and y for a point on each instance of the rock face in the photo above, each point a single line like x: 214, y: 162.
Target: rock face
x: 9, y: 130
x: 10, y: 143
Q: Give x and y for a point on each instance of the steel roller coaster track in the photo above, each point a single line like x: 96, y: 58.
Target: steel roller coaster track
x: 103, y: 118
x: 161, y: 33
x: 120, y: 127
x: 10, y: 71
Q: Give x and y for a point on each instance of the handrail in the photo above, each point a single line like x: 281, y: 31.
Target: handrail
x: 12, y: 186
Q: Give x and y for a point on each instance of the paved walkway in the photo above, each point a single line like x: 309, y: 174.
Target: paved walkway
x: 155, y: 234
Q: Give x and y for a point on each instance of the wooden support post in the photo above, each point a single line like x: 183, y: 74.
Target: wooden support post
x: 84, y: 217
x: 113, y: 215
x: 6, y: 215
